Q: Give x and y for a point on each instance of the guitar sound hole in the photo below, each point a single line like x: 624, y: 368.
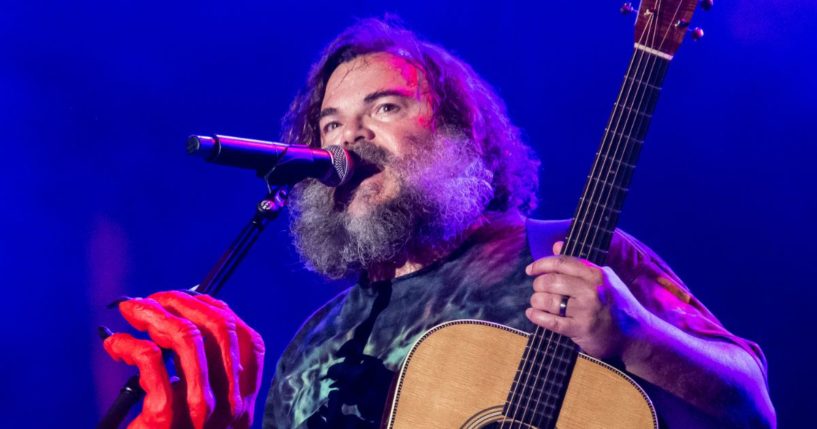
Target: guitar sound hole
x: 492, y: 418
x: 498, y: 425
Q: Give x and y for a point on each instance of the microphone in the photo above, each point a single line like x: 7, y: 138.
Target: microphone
x: 279, y: 163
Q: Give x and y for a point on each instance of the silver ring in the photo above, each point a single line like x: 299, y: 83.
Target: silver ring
x: 563, y: 306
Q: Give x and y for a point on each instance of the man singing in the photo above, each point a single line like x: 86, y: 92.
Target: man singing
x: 432, y: 228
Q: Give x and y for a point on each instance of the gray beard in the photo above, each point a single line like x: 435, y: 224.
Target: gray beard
x: 444, y: 186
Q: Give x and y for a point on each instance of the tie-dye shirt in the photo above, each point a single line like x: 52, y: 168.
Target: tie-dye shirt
x: 338, y: 370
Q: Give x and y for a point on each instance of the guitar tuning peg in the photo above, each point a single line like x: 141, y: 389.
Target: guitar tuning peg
x: 707, y: 4
x: 696, y: 33
x: 627, y: 8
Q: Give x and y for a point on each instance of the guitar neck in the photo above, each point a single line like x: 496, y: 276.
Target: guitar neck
x: 549, y: 357
x: 606, y: 187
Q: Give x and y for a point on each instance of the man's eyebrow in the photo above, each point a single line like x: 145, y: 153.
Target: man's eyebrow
x: 394, y: 92
x: 387, y: 93
x: 326, y: 112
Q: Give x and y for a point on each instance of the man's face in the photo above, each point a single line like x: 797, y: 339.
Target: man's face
x: 382, y: 99
x: 417, y: 188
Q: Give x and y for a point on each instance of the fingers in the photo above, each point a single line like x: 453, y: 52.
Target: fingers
x: 185, y: 339
x: 561, y: 325
x: 557, y: 247
x: 559, y: 284
x: 221, y: 344
x: 215, y: 348
x: 157, y: 409
x: 252, y: 354
x: 548, y: 302
x: 565, y: 265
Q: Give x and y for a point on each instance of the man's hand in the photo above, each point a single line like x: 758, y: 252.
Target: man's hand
x: 602, y: 316
x: 219, y: 360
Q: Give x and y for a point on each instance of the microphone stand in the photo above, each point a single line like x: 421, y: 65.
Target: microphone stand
x: 267, y: 210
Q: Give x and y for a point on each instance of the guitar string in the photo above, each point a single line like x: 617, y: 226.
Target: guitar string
x: 579, y: 235
x: 527, y: 363
x: 621, y: 134
x: 562, y: 361
x: 564, y: 358
x: 640, y: 103
x: 646, y: 89
x: 642, y: 92
x: 552, y: 339
x: 610, y: 143
x: 612, y: 132
x: 650, y: 79
x: 646, y: 96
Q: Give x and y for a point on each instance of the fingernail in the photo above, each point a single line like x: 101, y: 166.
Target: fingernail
x: 104, y: 332
x: 115, y: 303
x: 527, y: 269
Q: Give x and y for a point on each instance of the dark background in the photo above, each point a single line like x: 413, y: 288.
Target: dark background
x: 99, y: 199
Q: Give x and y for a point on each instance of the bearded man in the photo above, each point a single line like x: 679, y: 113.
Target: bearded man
x: 432, y: 227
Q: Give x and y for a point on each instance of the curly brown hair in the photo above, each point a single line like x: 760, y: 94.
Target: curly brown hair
x: 460, y: 98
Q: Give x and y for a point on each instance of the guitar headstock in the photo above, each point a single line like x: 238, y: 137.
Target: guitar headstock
x: 662, y: 24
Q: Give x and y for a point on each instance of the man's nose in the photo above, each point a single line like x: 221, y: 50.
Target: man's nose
x: 356, y: 131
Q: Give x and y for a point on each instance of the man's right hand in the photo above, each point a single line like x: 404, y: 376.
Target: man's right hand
x: 219, y: 360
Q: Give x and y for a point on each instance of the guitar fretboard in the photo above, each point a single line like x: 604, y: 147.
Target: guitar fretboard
x: 541, y: 380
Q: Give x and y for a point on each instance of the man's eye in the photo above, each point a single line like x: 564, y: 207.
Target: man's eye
x: 388, y: 108
x: 330, y: 126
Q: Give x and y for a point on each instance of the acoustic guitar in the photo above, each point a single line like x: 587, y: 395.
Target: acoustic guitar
x: 477, y: 374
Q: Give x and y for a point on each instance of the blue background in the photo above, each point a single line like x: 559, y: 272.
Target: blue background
x: 99, y: 199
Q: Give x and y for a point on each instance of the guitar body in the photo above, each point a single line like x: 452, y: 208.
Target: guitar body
x: 470, y: 365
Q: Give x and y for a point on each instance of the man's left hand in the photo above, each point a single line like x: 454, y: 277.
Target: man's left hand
x: 588, y: 303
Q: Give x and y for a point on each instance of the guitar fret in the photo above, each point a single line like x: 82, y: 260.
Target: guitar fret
x: 540, y: 400
x: 591, y: 250
x: 586, y: 249
x: 550, y: 391
x: 544, y: 383
x: 634, y: 110
x: 597, y: 204
x: 593, y: 256
x: 607, y: 183
x: 538, y: 363
x: 644, y: 83
x: 585, y: 225
x: 601, y: 252
x: 539, y: 370
x: 625, y: 137
x: 593, y: 234
x: 614, y: 159
x: 589, y: 226
x: 551, y: 353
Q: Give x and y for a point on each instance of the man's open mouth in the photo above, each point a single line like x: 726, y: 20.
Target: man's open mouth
x: 344, y: 194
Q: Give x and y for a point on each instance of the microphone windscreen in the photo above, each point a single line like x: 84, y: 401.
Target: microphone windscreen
x: 343, y: 166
